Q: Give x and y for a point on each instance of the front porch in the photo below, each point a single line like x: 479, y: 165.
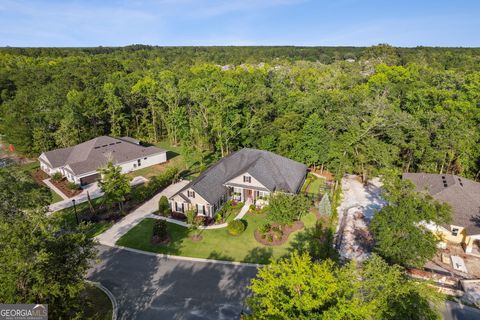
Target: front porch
x: 256, y: 196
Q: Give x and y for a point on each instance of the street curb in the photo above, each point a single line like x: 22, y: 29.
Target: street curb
x: 110, y: 296
x: 161, y: 255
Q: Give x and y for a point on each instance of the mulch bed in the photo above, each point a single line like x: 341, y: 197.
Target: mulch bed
x: 62, y: 185
x: 287, y: 230
x: 178, y: 216
x: 39, y: 175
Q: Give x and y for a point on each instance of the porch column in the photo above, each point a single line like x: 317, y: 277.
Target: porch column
x: 469, y: 244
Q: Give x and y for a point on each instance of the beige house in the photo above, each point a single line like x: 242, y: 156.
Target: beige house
x: 463, y: 195
x: 248, y: 175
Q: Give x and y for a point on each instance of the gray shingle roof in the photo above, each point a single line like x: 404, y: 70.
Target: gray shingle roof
x: 275, y: 172
x: 462, y: 194
x: 92, y: 154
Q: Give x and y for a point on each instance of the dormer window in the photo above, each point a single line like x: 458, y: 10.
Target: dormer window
x: 247, y: 179
x: 191, y: 194
x: 455, y: 232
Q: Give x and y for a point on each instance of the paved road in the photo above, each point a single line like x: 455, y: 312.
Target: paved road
x: 111, y: 236
x: 455, y: 311
x: 150, y: 287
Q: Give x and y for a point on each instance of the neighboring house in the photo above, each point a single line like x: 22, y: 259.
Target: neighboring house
x: 79, y: 164
x: 463, y: 195
x: 246, y: 175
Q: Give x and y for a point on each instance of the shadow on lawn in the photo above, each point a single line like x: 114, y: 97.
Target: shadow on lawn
x: 259, y: 255
x: 317, y: 241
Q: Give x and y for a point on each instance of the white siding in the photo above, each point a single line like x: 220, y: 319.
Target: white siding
x: 253, y: 182
x: 149, y: 161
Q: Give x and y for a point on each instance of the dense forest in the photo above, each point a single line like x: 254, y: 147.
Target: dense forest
x: 345, y: 109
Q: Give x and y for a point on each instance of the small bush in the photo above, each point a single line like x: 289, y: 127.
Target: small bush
x: 269, y: 237
x: 218, y: 218
x: 160, y: 229
x: 264, y: 228
x: 73, y: 186
x: 277, y: 234
x: 253, y: 207
x: 57, y: 176
x: 235, y: 227
x: 164, y: 207
x: 238, y: 205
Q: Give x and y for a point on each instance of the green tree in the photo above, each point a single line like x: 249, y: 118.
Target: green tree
x: 164, y: 207
x: 18, y: 193
x: 114, y: 184
x: 399, y: 231
x: 43, y: 263
x: 286, y: 208
x: 296, y: 288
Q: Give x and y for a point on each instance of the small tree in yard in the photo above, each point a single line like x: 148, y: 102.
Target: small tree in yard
x: 160, y: 230
x: 193, y: 222
x: 114, y: 184
x: 286, y: 208
x: 325, y: 206
x: 164, y: 207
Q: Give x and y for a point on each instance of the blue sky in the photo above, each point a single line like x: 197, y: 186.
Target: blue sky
x: 239, y: 22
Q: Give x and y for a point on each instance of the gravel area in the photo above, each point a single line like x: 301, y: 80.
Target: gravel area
x: 359, y: 204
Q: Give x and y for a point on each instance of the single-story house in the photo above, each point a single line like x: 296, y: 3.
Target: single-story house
x: 463, y: 195
x: 79, y: 163
x: 248, y: 175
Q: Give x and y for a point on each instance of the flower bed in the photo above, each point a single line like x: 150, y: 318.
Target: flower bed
x: 272, y: 238
x: 62, y: 185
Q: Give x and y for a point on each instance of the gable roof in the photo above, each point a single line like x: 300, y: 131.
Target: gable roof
x: 275, y: 172
x: 90, y: 155
x: 462, y: 194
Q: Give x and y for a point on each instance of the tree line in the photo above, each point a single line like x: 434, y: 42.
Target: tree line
x: 344, y: 109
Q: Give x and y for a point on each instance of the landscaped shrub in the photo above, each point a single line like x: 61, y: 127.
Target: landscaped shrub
x: 218, y: 218
x: 160, y: 229
x: 277, y: 234
x: 252, y: 207
x: 264, y: 228
x: 269, y: 237
x: 164, y: 207
x: 238, y: 205
x: 72, y: 186
x: 235, y: 227
x: 155, y: 185
x: 57, y: 176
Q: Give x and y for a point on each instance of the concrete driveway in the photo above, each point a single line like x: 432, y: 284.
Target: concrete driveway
x: 150, y: 287
x: 111, y: 236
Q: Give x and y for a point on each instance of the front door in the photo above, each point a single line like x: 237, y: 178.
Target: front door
x: 249, y: 194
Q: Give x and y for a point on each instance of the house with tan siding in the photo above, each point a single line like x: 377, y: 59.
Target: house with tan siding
x: 248, y: 175
x: 463, y: 196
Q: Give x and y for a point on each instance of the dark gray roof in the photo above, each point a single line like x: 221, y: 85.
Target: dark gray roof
x: 92, y: 154
x: 275, y: 172
x: 462, y: 194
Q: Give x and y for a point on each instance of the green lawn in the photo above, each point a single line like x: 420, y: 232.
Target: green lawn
x: 215, y: 244
x: 97, y: 304
x: 55, y: 197
x: 313, y: 184
x: 94, y: 229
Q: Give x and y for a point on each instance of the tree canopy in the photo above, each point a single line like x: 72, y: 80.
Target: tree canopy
x: 296, y: 288
x: 355, y: 110
x: 399, y: 230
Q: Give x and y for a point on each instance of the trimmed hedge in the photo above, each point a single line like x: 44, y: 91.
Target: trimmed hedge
x: 235, y: 227
x: 160, y: 229
x: 155, y: 185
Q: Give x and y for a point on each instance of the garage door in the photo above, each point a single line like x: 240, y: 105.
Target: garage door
x: 89, y: 179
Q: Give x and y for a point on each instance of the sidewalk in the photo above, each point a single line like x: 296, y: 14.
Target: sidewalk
x: 55, y: 189
x: 93, y: 189
x: 111, y: 236
x: 240, y: 215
